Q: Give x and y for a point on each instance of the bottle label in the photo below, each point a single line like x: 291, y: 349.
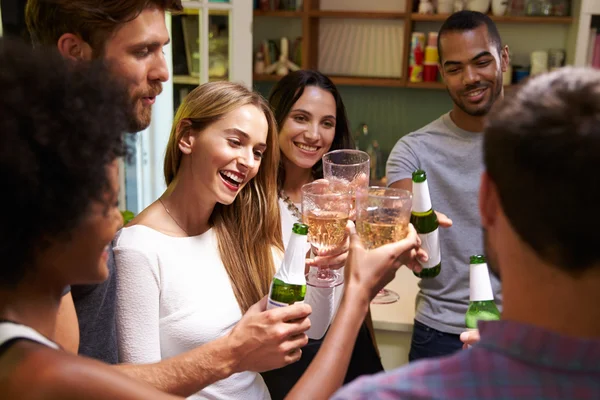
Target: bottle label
x: 430, y: 242
x: 274, y: 303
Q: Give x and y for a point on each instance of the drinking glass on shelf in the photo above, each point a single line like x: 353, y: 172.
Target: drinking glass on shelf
x: 325, y: 209
x: 350, y: 168
x: 382, y: 217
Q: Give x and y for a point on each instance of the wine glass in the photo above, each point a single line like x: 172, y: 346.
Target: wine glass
x: 350, y: 168
x: 325, y: 209
x: 382, y: 217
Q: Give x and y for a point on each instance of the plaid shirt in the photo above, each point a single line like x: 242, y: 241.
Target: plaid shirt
x: 512, y: 361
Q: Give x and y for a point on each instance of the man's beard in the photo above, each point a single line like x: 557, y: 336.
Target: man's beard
x: 139, y: 116
x: 481, y: 111
x: 491, y: 257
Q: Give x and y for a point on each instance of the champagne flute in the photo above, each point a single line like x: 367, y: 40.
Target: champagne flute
x: 325, y: 209
x: 382, y: 217
x: 350, y: 168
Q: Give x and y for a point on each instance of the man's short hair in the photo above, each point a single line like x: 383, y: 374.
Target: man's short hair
x: 61, y: 124
x: 93, y: 20
x: 466, y: 20
x: 542, y: 151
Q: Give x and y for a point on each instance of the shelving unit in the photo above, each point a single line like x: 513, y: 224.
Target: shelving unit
x: 311, y: 16
x: 507, y: 19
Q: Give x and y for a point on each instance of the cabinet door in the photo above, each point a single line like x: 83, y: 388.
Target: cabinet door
x: 210, y: 40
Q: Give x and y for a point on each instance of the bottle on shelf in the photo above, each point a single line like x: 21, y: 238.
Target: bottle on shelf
x: 426, y: 224
x: 289, y: 283
x: 481, y: 298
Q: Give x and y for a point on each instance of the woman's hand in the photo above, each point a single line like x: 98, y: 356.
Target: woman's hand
x: 332, y: 258
x: 369, y: 271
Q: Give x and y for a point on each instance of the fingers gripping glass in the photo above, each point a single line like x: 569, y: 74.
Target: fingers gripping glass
x: 350, y: 168
x: 325, y: 209
x: 382, y: 217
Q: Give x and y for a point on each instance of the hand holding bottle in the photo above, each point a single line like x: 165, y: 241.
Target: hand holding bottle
x: 469, y: 338
x: 266, y: 340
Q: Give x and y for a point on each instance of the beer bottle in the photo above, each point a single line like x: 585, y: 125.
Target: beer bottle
x: 426, y: 224
x: 481, y: 304
x: 289, y: 283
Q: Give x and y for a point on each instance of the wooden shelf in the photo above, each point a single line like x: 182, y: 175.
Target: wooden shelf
x: 278, y: 13
x: 426, y: 85
x: 343, y: 80
x: 266, y: 78
x: 356, y: 14
x: 503, y: 19
x: 186, y: 79
x: 367, y: 81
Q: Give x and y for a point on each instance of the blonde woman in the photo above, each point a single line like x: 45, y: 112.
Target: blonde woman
x: 203, y: 254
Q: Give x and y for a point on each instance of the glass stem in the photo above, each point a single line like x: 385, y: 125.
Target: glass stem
x: 323, y: 273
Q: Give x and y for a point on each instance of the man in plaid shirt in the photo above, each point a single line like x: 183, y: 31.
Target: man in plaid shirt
x: 537, y: 204
x: 538, y: 201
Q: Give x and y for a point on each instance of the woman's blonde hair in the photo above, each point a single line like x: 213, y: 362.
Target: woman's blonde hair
x: 247, y: 229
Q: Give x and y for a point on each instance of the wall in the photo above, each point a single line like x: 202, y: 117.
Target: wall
x: 389, y: 112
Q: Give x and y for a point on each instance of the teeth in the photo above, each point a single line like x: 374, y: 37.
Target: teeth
x: 232, y: 176
x: 306, y: 147
x: 476, y: 93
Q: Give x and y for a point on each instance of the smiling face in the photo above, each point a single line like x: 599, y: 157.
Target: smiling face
x: 472, y: 69
x: 227, y: 154
x: 309, y: 128
x: 135, y: 51
x: 82, y: 257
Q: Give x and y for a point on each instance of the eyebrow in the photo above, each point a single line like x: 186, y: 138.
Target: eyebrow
x: 478, y: 56
x: 245, y: 135
x: 309, y: 113
x: 149, y: 44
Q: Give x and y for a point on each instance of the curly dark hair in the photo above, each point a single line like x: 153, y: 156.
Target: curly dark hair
x: 61, y: 124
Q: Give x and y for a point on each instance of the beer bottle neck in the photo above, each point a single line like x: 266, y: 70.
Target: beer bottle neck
x: 421, y: 199
x: 293, y: 265
x: 480, y: 284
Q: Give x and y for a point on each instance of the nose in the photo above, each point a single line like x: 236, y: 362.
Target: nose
x: 470, y: 76
x: 247, y: 160
x: 311, y: 134
x: 159, y: 70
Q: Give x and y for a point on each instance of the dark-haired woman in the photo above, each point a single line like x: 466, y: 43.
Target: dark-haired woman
x: 312, y: 120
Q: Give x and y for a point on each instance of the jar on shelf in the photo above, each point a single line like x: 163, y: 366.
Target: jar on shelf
x: 538, y: 7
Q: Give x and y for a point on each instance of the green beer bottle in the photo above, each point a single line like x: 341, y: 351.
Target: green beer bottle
x: 289, y: 283
x: 481, y: 304
x: 426, y: 224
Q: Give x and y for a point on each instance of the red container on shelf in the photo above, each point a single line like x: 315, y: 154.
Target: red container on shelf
x: 430, y: 71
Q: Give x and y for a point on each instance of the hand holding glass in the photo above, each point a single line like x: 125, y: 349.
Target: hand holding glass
x: 350, y: 168
x: 325, y: 209
x: 382, y: 217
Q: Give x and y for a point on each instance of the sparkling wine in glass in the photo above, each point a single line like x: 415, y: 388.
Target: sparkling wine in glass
x: 350, y: 168
x: 382, y: 217
x: 325, y: 209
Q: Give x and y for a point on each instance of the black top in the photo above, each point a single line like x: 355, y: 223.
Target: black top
x: 364, y: 361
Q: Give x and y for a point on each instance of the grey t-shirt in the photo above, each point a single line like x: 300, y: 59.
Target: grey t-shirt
x: 95, y: 306
x: 453, y: 161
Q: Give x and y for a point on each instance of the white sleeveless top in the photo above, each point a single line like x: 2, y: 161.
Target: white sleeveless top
x: 11, y: 331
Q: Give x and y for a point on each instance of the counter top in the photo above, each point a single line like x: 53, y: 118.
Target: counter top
x: 398, y: 316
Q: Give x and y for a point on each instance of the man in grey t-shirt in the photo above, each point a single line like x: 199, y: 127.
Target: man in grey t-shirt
x: 449, y: 149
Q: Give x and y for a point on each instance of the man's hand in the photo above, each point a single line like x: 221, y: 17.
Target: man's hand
x: 443, y: 220
x: 469, y: 338
x: 370, y: 270
x: 266, y: 340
